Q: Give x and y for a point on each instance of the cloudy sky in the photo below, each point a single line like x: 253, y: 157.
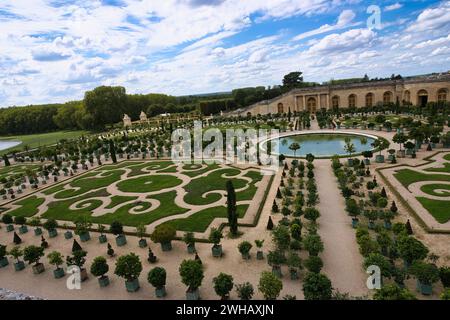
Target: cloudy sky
x: 55, y: 50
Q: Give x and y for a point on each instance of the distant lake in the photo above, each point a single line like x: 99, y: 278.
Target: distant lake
x: 8, y: 144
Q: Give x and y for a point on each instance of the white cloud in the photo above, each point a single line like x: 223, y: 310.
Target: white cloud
x: 345, y: 20
x: 393, y: 7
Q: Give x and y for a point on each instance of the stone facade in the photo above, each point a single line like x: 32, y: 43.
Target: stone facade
x: 418, y: 91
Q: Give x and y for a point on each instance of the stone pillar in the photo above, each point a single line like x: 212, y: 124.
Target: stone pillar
x: 304, y: 102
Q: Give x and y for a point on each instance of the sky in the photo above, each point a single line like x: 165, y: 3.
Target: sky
x: 55, y: 50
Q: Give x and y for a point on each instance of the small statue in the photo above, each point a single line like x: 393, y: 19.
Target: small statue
x: 110, y: 251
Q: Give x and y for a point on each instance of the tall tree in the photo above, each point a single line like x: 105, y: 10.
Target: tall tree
x: 293, y: 80
x: 112, y: 151
x: 231, y: 208
x: 106, y: 104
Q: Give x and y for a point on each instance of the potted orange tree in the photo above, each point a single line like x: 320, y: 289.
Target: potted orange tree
x: 16, y: 253
x: 33, y: 254
x: 50, y: 225
x: 99, y: 268
x: 129, y: 267
x: 164, y: 234
x: 191, y: 272
x: 55, y: 258
x: 3, y: 259
x: 116, y: 229
x: 157, y: 278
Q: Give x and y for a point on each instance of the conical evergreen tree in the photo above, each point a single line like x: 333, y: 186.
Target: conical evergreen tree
x: 112, y: 151
x: 270, y: 224
x: 383, y: 193
x: 17, y: 239
x: 76, y: 246
x: 279, y: 196
x: 408, y: 226
x: 110, y: 251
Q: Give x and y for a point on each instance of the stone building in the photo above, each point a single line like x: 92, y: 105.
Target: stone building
x: 417, y: 90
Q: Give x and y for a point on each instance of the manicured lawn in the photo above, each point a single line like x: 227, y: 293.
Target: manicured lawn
x: 430, y: 189
x: 89, y: 182
x: 87, y: 188
x: 148, y: 183
x: 29, y: 207
x: 199, y: 222
x: 214, y: 181
x: 438, y: 209
x: 43, y: 139
x: 445, y: 169
x: 447, y: 157
x: 407, y: 177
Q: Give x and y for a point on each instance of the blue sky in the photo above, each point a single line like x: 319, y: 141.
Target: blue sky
x: 55, y: 50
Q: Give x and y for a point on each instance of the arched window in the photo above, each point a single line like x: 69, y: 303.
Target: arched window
x: 407, y: 96
x: 352, y: 101
x: 422, y: 98
x: 387, y: 97
x: 335, y: 102
x: 280, y: 108
x: 442, y: 95
x: 369, y: 100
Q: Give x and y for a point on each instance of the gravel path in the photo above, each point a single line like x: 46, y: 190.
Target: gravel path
x: 341, y: 257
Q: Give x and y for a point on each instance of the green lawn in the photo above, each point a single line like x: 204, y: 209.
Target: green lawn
x: 447, y: 157
x: 429, y: 188
x: 29, y: 207
x: 198, y: 187
x: 199, y: 222
x: 148, y: 183
x: 84, y: 189
x: 407, y: 177
x: 445, y: 169
x: 42, y: 139
x: 438, y: 209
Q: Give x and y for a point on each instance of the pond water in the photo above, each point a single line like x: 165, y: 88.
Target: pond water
x: 5, y: 144
x: 323, y: 144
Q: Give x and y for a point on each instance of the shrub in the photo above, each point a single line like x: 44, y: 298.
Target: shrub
x: 245, y: 291
x: 313, y: 244
x: 33, y: 254
x: 379, y: 260
x: 393, y: 292
x: 269, y: 285
x: 223, y: 284
x: 116, y: 228
x: 157, y: 277
x: 7, y: 219
x: 215, y: 236
x: 244, y: 247
x: 82, y: 226
x: 281, y: 237
x: 312, y: 214
x: 189, y: 238
x: 317, y: 286
x: 129, y: 267
x: 411, y: 249
x: 50, y: 224
x: 191, y: 273
x: 78, y: 258
x: 296, y: 231
x: 20, y: 220
x: 99, y: 267
x: 314, y: 264
x: 426, y: 273
x: 163, y: 233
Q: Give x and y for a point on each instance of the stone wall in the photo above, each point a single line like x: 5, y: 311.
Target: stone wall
x: 314, y: 98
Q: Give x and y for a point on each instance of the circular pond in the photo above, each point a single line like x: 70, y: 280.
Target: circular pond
x: 322, y: 144
x: 8, y: 144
